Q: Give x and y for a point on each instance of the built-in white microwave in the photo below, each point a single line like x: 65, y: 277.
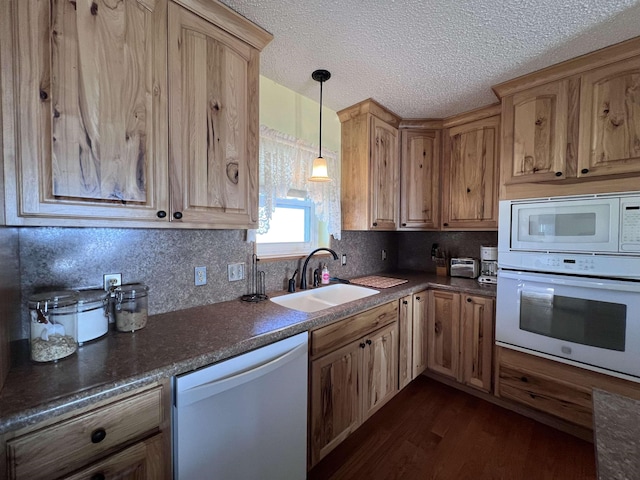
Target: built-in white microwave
x: 606, y: 224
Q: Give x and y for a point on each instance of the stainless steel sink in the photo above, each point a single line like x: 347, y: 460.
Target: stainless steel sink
x: 323, y: 297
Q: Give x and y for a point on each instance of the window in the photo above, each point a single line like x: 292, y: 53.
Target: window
x: 296, y: 216
x: 293, y: 229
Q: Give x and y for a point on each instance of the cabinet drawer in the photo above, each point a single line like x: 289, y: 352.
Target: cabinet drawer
x: 327, y: 339
x: 60, y: 448
x: 551, y: 395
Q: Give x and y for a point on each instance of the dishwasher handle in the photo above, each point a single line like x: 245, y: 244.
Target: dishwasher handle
x: 209, y: 389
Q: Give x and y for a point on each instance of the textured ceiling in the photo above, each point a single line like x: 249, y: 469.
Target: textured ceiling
x: 428, y: 58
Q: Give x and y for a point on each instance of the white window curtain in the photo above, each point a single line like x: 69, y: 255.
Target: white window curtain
x: 285, y: 165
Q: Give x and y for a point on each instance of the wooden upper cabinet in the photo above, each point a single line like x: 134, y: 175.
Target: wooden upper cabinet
x: 370, y: 167
x: 535, y: 128
x: 87, y: 109
x: 213, y: 78
x: 573, y: 128
x: 92, y: 103
x: 610, y: 120
x: 470, y: 166
x: 385, y: 171
x: 420, y: 179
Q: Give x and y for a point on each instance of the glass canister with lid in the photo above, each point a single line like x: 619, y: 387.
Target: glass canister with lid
x: 93, y: 319
x: 54, y: 325
x: 131, y: 307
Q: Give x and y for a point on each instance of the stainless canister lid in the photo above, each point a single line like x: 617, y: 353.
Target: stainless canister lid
x: 50, y: 300
x: 91, y: 298
x: 131, y: 290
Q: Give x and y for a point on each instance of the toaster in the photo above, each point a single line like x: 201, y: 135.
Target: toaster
x: 465, y: 267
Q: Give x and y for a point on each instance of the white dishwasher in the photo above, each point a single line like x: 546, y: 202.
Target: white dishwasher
x: 244, y: 418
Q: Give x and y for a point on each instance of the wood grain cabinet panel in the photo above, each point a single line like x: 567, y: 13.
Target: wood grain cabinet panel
x: 610, y: 120
x: 121, y: 112
x: 370, y: 167
x: 334, y: 399
x: 412, y: 323
x: 535, y: 123
x: 405, y: 341
x: 573, y: 128
x: 89, y: 103
x: 470, y: 168
x: 420, y: 334
x: 380, y: 369
x: 460, y: 337
x: 141, y: 461
x: 420, y: 179
x: 476, y: 341
x: 349, y: 382
x: 213, y: 162
x: 121, y: 439
x: 444, y: 332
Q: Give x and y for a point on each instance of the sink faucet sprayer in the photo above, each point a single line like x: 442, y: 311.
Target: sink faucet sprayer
x: 303, y: 277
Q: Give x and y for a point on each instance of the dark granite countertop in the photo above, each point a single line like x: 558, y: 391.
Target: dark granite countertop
x: 174, y: 343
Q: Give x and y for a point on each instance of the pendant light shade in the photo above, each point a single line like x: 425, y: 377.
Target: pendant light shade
x: 319, y: 172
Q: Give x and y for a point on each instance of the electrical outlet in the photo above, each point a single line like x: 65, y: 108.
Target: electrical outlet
x: 111, y: 280
x: 384, y: 254
x: 200, y: 275
x: 344, y: 259
x: 235, y: 271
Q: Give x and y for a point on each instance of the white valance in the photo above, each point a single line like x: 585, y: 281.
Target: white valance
x: 285, y: 164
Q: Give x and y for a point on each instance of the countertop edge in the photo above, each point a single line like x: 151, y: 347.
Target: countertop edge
x: 64, y: 403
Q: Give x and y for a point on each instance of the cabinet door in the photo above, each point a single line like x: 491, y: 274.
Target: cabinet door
x: 91, y: 111
x: 477, y: 341
x: 420, y: 179
x: 384, y: 175
x: 405, y: 336
x: 534, y: 125
x: 420, y: 330
x: 335, y: 400
x: 380, y: 369
x: 444, y: 332
x: 213, y: 154
x: 470, y: 195
x: 610, y: 120
x: 141, y: 461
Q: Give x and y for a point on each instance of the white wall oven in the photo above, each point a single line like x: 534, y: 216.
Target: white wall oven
x: 569, y: 280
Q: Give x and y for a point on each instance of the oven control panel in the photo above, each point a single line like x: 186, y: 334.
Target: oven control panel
x: 568, y: 264
x: 630, y: 225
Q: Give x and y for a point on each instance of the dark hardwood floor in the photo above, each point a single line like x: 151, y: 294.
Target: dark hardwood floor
x: 433, y: 431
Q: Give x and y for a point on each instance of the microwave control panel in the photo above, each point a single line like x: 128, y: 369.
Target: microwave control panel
x: 630, y: 225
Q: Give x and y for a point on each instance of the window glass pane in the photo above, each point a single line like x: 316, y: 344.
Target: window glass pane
x: 287, y: 225
x: 579, y: 320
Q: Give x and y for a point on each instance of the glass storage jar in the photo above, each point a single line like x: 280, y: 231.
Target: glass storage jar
x: 93, y: 320
x: 131, y: 307
x: 54, y: 325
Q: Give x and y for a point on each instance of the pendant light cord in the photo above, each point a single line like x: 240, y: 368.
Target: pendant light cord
x: 320, y: 148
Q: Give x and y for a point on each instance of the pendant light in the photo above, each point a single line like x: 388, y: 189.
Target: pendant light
x: 319, y: 171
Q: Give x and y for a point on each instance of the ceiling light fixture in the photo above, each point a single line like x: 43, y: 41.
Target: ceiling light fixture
x: 319, y: 172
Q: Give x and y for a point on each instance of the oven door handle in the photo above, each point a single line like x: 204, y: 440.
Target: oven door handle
x: 582, y: 282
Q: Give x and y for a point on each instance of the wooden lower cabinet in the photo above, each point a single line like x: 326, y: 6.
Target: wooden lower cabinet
x: 561, y: 390
x: 124, y: 438
x: 412, y: 323
x: 352, y: 374
x: 460, y: 337
x: 141, y: 461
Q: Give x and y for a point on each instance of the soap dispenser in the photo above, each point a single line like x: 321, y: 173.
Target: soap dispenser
x: 325, y: 275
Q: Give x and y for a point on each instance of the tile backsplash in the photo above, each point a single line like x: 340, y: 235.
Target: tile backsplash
x: 51, y: 258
